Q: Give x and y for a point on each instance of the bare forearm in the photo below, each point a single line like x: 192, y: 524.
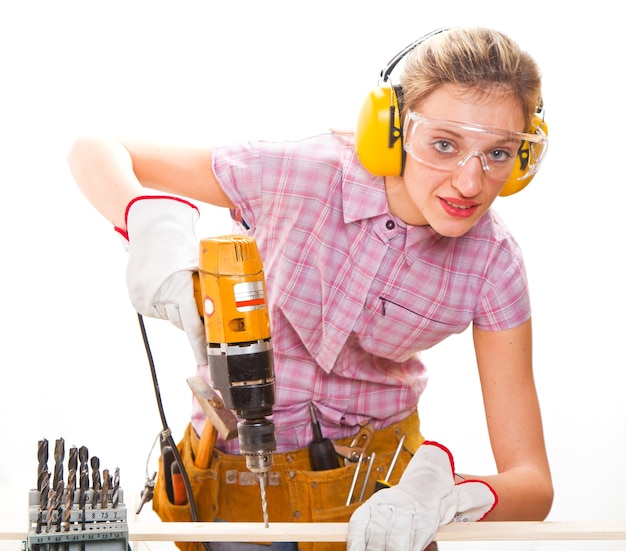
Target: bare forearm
x: 103, y: 171
x: 523, y: 482
x: 111, y: 174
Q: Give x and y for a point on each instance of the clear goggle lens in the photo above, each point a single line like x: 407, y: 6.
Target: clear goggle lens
x: 448, y: 145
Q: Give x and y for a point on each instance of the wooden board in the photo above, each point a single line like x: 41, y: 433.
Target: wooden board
x: 476, y: 531
x: 328, y: 531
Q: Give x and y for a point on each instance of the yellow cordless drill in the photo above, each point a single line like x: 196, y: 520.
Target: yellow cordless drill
x: 231, y: 299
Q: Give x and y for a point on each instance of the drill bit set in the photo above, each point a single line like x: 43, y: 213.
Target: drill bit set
x: 85, y: 509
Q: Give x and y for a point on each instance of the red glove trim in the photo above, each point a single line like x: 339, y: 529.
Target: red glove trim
x: 124, y: 232
x: 442, y: 447
x: 495, y: 495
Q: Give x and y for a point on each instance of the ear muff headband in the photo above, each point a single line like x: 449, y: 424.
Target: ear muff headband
x: 378, y: 134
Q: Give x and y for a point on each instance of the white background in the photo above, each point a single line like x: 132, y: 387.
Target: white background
x: 73, y: 363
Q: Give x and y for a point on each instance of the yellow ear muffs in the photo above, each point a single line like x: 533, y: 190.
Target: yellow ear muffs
x: 522, y: 174
x: 378, y: 135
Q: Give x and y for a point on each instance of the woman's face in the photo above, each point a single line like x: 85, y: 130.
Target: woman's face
x: 451, y: 198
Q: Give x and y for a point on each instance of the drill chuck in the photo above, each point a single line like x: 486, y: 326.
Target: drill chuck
x: 257, y: 443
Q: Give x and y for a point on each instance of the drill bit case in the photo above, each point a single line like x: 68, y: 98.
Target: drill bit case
x: 84, y: 512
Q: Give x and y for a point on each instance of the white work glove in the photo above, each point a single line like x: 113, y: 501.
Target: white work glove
x: 163, y: 255
x: 406, y: 516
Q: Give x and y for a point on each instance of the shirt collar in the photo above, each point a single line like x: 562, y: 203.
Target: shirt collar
x: 363, y: 194
x: 364, y: 197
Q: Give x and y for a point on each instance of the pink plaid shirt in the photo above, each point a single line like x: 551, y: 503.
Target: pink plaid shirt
x: 354, y: 293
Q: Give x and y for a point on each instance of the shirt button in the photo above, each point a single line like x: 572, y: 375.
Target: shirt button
x: 390, y: 224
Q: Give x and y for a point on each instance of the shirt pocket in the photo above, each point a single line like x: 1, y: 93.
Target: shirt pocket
x: 397, y: 329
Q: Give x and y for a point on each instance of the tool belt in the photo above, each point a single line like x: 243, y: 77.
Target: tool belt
x: 228, y: 491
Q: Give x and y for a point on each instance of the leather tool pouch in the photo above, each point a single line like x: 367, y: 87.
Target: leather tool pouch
x: 229, y: 492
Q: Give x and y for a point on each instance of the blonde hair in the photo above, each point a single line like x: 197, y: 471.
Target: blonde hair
x: 480, y: 60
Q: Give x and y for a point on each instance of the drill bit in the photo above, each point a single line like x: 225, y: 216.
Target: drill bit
x: 44, y: 488
x: 83, y: 483
x: 69, y: 499
x: 59, y: 490
x: 104, y: 492
x: 82, y: 503
x: 49, y: 509
x: 115, y: 496
x: 42, y: 460
x: 72, y: 463
x: 263, y: 499
x: 58, y: 503
x: 71, y: 483
x: 59, y: 454
x: 83, y: 471
x: 83, y: 457
x: 95, y: 477
x: 67, y: 508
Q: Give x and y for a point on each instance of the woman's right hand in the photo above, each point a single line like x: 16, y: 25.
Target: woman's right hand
x: 163, y: 256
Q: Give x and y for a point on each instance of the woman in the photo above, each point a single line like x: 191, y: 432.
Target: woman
x: 364, y: 270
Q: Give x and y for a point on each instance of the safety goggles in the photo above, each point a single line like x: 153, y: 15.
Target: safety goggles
x: 448, y: 145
